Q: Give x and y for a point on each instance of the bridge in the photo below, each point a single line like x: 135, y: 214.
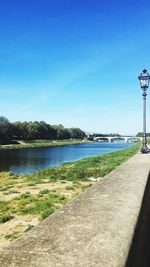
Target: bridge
x: 117, y: 138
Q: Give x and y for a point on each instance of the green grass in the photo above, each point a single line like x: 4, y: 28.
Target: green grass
x: 81, y: 170
x: 45, y: 202
x: 41, y: 205
x: 44, y: 191
x: 3, y: 207
x: 5, y: 187
x: 41, y: 143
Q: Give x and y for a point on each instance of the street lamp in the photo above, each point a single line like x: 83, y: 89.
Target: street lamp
x: 144, y: 82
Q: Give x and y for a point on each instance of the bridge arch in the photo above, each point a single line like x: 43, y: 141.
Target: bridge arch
x: 101, y: 139
x: 116, y: 138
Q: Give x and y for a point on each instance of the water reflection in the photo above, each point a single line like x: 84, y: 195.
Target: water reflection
x: 31, y: 160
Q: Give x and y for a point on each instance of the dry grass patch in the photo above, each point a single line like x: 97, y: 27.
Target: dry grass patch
x: 23, y: 206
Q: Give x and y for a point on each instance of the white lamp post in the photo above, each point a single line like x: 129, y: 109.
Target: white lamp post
x: 144, y: 83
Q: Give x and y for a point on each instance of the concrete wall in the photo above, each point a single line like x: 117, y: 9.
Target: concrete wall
x: 94, y: 230
x: 139, y: 253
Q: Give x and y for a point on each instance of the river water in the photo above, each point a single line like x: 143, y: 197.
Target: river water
x: 31, y: 160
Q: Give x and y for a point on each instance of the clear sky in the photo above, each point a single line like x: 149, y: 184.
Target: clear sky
x: 75, y: 62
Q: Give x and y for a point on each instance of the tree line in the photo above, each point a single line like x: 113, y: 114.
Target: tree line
x: 140, y: 134
x: 33, y: 130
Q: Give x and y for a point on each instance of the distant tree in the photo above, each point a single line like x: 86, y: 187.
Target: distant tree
x: 66, y: 133
x: 5, y: 128
x: 20, y: 130
x: 77, y: 133
x: 36, y: 130
x: 140, y: 134
x: 32, y: 130
x: 59, y: 131
x: 52, y: 133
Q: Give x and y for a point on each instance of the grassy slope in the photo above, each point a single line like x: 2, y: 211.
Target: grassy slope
x: 28, y: 196
x: 97, y: 166
x: 41, y: 143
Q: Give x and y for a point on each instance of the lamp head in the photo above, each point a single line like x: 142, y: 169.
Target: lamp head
x: 144, y: 79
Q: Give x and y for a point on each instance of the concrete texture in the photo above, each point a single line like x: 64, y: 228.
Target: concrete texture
x: 94, y: 230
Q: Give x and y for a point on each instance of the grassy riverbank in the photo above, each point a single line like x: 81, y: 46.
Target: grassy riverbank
x: 40, y: 143
x: 27, y: 199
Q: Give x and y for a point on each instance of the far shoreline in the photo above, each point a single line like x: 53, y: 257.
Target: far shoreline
x: 21, y: 144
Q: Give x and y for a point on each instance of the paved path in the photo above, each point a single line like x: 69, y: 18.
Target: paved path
x: 94, y: 230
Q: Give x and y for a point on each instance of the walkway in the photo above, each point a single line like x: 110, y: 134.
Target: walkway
x: 94, y: 230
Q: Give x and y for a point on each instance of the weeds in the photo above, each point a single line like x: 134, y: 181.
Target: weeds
x: 13, y: 235
x: 44, y: 191
x: 6, y: 218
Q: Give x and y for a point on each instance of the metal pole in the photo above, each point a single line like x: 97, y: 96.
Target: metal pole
x: 144, y: 148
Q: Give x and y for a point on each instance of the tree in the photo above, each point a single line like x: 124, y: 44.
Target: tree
x: 20, y: 130
x: 5, y: 128
x: 59, y: 131
x: 76, y: 133
x: 140, y: 134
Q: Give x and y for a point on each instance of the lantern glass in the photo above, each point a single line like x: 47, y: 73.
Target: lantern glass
x: 144, y: 79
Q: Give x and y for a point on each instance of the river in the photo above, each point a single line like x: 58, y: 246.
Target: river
x: 33, y: 159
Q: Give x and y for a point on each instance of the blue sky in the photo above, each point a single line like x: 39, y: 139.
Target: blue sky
x: 75, y: 62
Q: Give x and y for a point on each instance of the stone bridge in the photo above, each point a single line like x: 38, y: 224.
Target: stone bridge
x: 117, y: 138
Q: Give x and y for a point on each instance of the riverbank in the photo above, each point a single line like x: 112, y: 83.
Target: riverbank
x: 19, y: 144
x: 27, y: 199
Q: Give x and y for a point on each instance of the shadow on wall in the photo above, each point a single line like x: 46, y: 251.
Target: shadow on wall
x: 139, y: 254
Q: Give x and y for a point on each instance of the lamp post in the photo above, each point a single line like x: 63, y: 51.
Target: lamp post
x: 144, y: 79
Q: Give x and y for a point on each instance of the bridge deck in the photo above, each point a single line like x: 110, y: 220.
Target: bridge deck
x: 111, y: 138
